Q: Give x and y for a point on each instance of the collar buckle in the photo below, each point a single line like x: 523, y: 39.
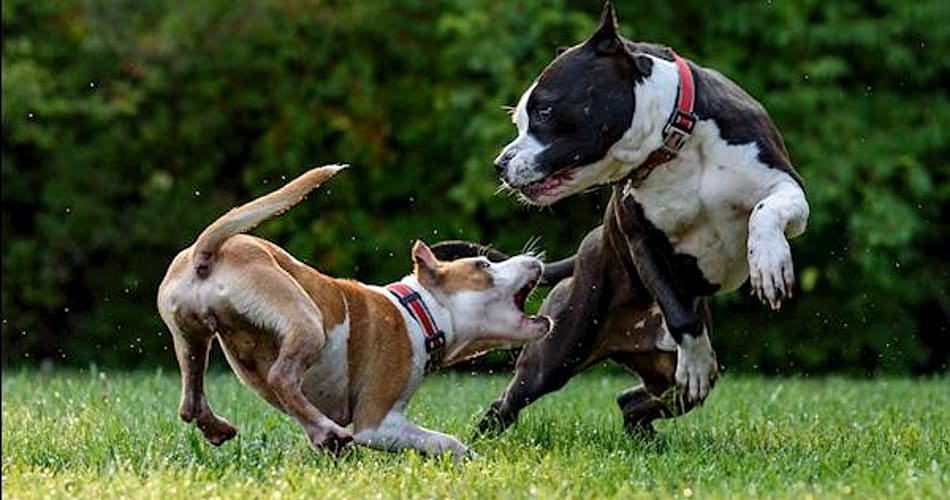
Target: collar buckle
x: 678, y: 130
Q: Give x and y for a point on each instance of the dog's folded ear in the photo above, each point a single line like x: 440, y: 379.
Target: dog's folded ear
x: 426, y: 266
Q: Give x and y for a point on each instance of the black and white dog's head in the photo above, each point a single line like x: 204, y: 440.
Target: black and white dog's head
x: 572, y: 115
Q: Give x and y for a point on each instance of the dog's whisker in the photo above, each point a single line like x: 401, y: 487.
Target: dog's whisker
x: 531, y: 248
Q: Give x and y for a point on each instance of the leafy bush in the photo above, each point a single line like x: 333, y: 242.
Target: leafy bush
x: 128, y: 127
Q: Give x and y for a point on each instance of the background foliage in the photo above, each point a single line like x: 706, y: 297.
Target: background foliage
x: 128, y: 126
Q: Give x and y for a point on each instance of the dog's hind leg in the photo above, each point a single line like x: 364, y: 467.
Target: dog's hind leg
x: 658, y: 396
x: 192, y: 344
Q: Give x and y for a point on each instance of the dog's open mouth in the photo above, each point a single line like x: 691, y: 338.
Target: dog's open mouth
x: 549, y: 185
x: 530, y: 321
x: 521, y: 296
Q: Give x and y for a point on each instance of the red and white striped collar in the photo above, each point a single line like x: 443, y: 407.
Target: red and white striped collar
x: 412, y: 301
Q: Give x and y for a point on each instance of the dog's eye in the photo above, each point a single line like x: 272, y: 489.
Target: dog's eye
x: 482, y: 264
x: 544, y: 114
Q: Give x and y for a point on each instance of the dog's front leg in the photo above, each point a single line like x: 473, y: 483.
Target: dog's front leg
x: 578, y: 306
x: 783, y: 214
x: 696, y: 366
x: 285, y: 378
x: 396, y: 433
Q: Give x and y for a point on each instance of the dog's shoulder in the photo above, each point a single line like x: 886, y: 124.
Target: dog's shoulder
x: 741, y: 119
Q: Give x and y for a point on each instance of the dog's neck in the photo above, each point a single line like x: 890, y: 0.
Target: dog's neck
x: 441, y: 315
x: 655, y: 99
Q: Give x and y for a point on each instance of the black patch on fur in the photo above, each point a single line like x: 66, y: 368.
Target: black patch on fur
x: 673, y: 279
x: 740, y: 118
x: 688, y: 279
x: 582, y: 105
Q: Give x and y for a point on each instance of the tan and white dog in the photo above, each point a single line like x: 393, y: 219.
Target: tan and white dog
x: 334, y: 352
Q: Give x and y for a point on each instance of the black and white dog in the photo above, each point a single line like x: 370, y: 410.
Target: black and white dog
x: 698, y: 206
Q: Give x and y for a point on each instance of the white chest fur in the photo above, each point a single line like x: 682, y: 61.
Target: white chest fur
x: 702, y: 201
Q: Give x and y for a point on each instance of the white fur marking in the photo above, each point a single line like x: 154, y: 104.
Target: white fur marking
x: 783, y: 213
x: 327, y: 382
x: 396, y: 433
x: 696, y: 367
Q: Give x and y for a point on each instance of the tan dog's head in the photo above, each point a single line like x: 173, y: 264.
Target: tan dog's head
x: 486, y: 300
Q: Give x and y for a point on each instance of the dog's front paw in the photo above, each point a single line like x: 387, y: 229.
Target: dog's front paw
x: 495, y: 421
x: 771, y: 273
x: 461, y: 453
x: 696, y: 367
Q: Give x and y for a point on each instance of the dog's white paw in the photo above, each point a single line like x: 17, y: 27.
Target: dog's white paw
x: 696, y: 367
x: 771, y: 273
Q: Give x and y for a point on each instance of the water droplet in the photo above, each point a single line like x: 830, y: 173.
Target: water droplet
x: 30, y: 115
x: 92, y: 85
x: 435, y: 231
x: 197, y: 193
x: 68, y: 210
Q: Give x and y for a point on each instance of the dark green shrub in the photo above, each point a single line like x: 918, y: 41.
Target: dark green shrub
x: 127, y: 128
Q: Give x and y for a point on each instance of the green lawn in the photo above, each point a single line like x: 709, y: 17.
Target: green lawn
x: 114, y: 435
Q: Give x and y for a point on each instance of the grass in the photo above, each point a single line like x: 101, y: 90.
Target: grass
x: 98, y: 435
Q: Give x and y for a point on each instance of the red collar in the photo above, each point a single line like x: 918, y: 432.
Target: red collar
x: 417, y: 308
x: 678, y: 128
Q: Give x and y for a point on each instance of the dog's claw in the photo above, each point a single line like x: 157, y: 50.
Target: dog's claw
x: 331, y: 439
x: 696, y: 368
x: 771, y: 273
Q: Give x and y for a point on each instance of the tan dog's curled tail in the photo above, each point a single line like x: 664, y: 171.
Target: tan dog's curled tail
x: 247, y: 216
